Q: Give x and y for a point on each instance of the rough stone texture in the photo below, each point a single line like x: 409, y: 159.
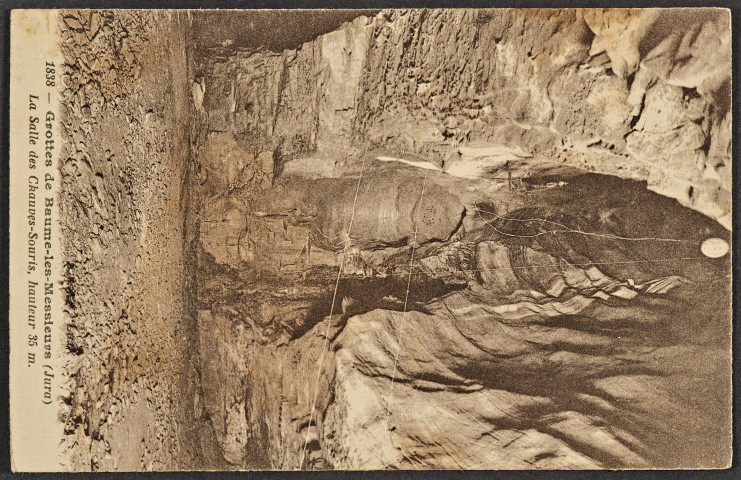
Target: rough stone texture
x: 386, y: 210
x: 519, y: 348
x: 123, y: 211
x: 509, y: 347
x: 543, y: 318
x: 565, y: 86
x: 222, y: 384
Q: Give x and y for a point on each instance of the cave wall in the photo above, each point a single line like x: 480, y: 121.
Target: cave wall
x: 641, y: 94
x: 632, y: 94
x: 123, y: 169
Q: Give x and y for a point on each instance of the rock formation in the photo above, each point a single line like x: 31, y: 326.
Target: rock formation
x: 520, y: 343
x: 124, y: 215
x: 640, y: 94
x: 512, y: 345
x: 427, y: 239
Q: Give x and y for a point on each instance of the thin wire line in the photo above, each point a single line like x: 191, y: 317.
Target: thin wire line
x: 551, y: 265
x: 411, y: 269
x: 329, y: 321
x: 404, y: 312
x: 570, y: 230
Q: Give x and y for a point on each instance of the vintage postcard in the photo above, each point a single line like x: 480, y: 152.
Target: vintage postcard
x: 370, y: 239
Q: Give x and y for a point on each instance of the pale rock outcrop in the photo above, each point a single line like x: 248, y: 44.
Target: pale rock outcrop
x: 524, y: 343
x: 539, y: 322
x: 565, y: 86
x: 123, y: 212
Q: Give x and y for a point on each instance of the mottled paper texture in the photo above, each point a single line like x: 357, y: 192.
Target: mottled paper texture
x: 37, y: 365
x: 370, y: 239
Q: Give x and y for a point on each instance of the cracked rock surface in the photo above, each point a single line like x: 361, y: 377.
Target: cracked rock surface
x: 640, y: 94
x: 124, y: 211
x: 518, y: 341
x: 426, y: 239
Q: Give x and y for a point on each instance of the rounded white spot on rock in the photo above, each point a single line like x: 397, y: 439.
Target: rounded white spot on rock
x: 714, y: 247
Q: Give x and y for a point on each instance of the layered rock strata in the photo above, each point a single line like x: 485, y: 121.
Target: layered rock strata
x: 641, y: 94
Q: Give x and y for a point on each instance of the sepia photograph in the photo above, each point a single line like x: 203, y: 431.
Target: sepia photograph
x: 396, y: 239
